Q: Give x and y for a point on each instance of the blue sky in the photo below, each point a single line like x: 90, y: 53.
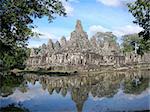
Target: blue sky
x: 95, y: 15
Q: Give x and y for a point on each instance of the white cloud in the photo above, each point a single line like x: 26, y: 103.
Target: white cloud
x: 45, y: 34
x: 119, y: 31
x: 54, y: 33
x: 33, y: 45
x: 96, y: 28
x: 128, y: 29
x: 115, y: 3
x: 111, y: 2
x: 75, y: 1
x: 35, y: 42
x: 69, y: 8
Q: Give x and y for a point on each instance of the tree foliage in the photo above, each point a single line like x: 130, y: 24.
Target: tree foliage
x: 16, y: 23
x: 140, y: 9
x: 133, y: 42
x: 17, y: 59
x: 129, y: 42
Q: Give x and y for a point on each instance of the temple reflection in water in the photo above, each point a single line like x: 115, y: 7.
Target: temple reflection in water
x: 82, y: 87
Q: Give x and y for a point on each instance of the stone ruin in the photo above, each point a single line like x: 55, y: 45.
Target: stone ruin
x: 82, y: 53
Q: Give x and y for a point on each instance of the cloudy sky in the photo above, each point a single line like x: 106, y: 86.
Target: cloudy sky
x: 95, y: 15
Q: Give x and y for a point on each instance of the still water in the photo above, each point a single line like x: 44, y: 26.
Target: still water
x: 107, y: 92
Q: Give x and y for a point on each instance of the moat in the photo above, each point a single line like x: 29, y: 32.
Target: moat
x: 118, y: 91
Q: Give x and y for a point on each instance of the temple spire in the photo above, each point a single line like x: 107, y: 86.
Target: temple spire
x: 79, y: 27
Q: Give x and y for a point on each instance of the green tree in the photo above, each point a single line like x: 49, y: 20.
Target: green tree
x: 17, y: 59
x: 16, y: 23
x: 140, y: 9
x: 130, y: 42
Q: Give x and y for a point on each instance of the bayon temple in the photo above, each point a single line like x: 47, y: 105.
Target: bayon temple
x: 83, y: 53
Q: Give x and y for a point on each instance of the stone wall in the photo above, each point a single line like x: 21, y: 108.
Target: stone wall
x: 132, y: 58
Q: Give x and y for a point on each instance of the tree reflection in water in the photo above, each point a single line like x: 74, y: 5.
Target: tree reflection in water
x: 80, y: 87
x: 8, y: 83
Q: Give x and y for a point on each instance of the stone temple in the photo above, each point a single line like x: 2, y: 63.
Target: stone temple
x: 83, y: 53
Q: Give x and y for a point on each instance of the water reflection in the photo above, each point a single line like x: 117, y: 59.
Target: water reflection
x: 120, y: 91
x: 9, y: 83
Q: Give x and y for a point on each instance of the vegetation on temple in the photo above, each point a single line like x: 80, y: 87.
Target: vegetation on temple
x: 17, y: 24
